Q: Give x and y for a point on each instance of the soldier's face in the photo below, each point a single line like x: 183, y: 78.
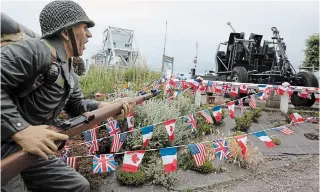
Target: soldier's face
x: 82, y: 35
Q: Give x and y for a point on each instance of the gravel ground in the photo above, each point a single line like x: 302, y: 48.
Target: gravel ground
x: 300, y: 175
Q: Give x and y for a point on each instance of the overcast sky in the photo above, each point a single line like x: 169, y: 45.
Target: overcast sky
x: 188, y: 22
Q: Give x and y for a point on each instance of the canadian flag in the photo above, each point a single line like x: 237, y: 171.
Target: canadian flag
x: 304, y: 93
x: 132, y: 160
x: 234, y: 91
x: 231, y: 105
x: 317, y: 95
x: 217, y: 87
x: 130, y: 121
x: 170, y: 126
x: 296, y: 118
x: 243, y: 89
x: 242, y: 141
x: 281, y: 90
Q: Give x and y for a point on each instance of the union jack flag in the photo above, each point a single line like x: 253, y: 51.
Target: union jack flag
x: 93, y: 146
x: 206, y: 114
x: 240, y: 103
x: 90, y: 135
x: 222, y: 149
x: 117, y: 141
x: 191, y: 122
x: 104, y: 163
x: 252, y: 102
x: 226, y: 87
x: 112, y: 127
x: 284, y: 130
x: 198, y: 152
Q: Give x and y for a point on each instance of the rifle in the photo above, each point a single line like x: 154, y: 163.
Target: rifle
x: 17, y: 162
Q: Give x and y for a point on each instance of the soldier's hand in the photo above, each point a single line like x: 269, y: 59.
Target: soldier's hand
x: 127, y: 107
x: 39, y: 140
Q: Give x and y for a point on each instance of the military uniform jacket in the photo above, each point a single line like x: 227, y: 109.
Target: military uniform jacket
x: 22, y: 61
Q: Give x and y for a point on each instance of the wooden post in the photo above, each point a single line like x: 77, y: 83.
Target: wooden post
x: 198, y: 98
x: 284, y: 103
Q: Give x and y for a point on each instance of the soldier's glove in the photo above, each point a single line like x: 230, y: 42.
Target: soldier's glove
x: 38, y: 140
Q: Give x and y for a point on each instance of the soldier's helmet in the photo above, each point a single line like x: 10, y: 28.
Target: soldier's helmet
x: 62, y: 14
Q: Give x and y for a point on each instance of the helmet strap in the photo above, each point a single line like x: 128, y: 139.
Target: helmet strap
x: 73, y: 42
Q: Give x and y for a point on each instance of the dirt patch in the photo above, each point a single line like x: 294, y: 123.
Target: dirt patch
x: 312, y: 136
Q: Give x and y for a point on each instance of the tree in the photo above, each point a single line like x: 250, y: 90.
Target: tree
x: 312, y: 51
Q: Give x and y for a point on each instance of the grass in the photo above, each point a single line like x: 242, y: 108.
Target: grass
x: 105, y: 80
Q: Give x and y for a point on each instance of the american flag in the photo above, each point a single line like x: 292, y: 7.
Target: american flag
x: 156, y: 84
x: 104, y: 163
x: 207, y: 115
x: 252, y: 102
x: 72, y: 162
x: 93, y: 146
x: 112, y: 127
x: 90, y: 135
x: 210, y: 87
x: 221, y: 148
x: 284, y: 130
x: 117, y: 141
x: 240, y: 103
x: 198, y: 152
x: 191, y: 122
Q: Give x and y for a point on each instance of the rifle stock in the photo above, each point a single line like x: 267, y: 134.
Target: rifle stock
x: 17, y: 162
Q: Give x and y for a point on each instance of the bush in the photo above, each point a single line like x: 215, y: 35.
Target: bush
x: 207, y: 129
x: 243, y: 122
x: 276, y: 140
x: 186, y: 162
x: 129, y: 178
x: 255, y: 114
x: 251, y: 160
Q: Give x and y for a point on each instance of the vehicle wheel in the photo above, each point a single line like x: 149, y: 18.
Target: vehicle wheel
x: 240, y: 75
x: 308, y: 80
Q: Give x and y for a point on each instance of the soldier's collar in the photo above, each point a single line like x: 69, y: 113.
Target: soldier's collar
x: 57, y: 43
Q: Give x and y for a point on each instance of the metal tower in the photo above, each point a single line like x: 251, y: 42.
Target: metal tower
x: 118, y: 48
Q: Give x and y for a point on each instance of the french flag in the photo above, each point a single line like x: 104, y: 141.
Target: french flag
x: 217, y: 113
x: 169, y: 159
x: 296, y: 118
x: 170, y: 126
x: 132, y: 160
x: 266, y: 139
x: 231, y: 105
x: 147, y: 134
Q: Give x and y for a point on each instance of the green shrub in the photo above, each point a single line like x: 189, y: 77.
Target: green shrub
x: 207, y: 129
x: 255, y: 114
x: 129, y: 178
x: 276, y: 140
x: 238, y: 133
x: 186, y: 162
x: 243, y: 122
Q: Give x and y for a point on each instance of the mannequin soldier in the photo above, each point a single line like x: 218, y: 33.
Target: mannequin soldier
x: 37, y: 83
